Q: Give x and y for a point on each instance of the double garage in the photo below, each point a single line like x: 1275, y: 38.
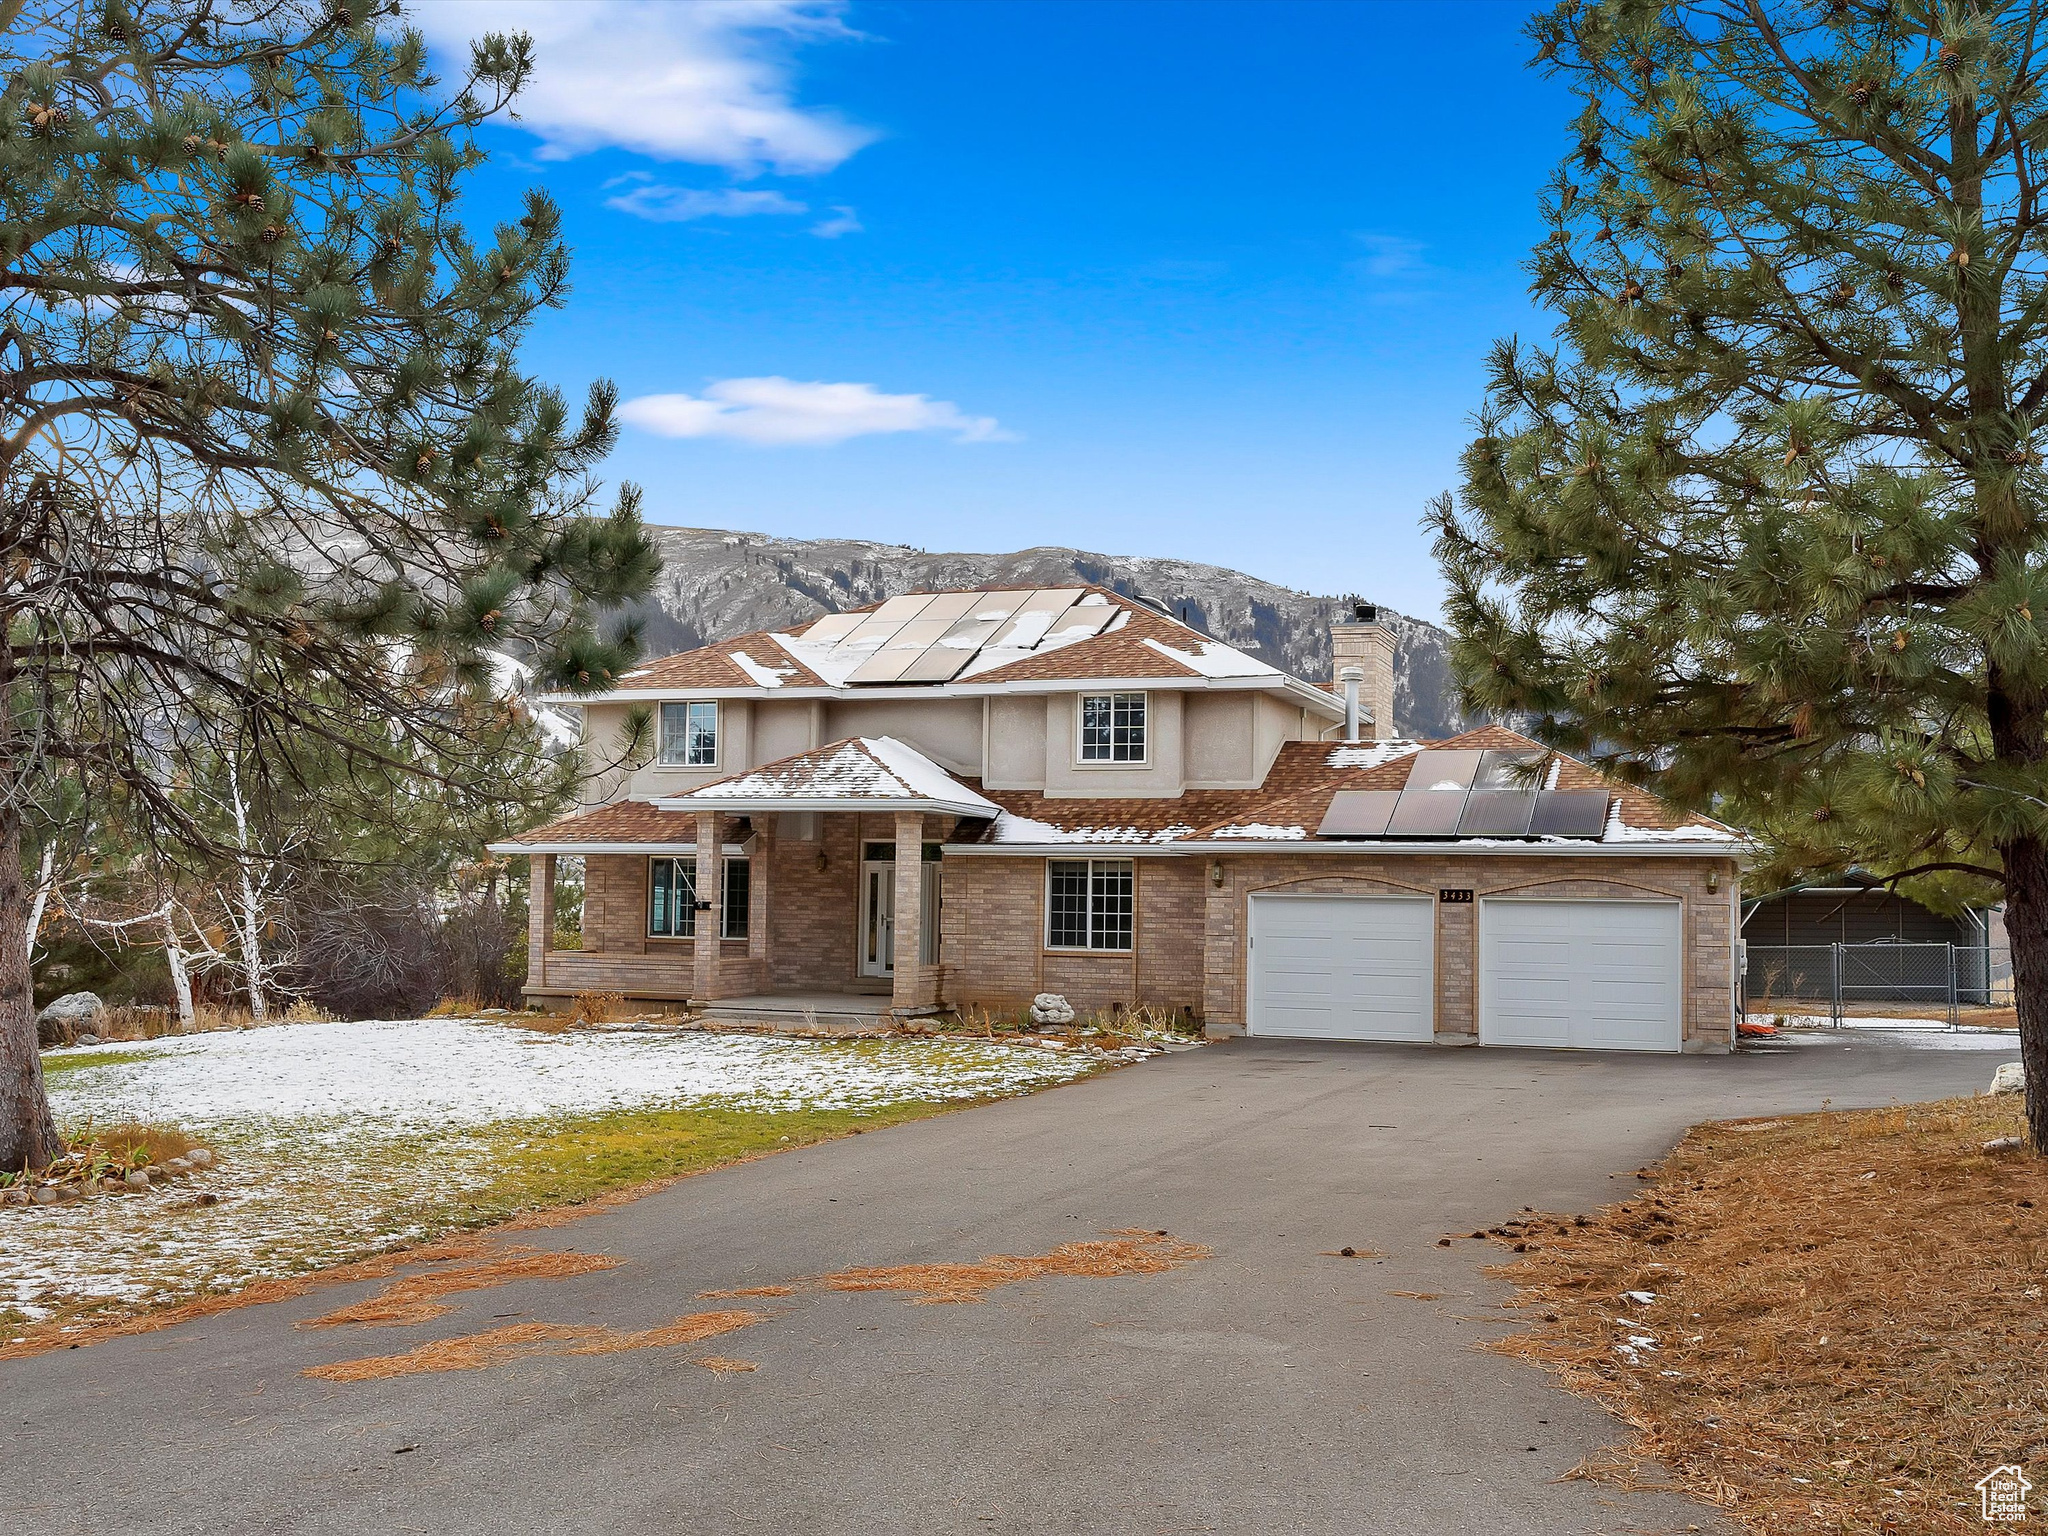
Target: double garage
x: 1577, y: 974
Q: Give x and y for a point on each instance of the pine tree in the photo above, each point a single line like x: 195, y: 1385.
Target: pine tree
x: 1767, y: 527
x: 268, y: 466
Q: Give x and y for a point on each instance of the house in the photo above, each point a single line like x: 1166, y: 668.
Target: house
x: 967, y: 798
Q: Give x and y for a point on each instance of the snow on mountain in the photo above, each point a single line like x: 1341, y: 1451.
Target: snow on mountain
x: 716, y: 584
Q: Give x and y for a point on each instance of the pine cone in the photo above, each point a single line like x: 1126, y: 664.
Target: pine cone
x: 1950, y: 58
x: 1862, y: 92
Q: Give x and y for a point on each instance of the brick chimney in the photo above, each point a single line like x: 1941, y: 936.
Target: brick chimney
x: 1368, y: 644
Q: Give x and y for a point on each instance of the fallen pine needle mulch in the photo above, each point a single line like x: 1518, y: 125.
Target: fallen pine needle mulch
x: 415, y: 1298
x: 1131, y: 1251
x: 523, y: 1341
x: 1820, y: 1323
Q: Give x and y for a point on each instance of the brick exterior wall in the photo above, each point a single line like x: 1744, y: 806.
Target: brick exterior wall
x: 994, y: 939
x: 1190, y: 942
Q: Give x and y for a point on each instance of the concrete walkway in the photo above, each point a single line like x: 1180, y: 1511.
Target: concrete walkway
x: 1267, y: 1389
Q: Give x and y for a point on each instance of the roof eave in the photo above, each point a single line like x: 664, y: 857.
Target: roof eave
x: 1307, y: 695
x: 766, y: 803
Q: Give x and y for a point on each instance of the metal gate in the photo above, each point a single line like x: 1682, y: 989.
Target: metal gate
x: 1788, y: 978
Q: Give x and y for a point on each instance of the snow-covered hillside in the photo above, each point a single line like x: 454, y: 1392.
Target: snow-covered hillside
x: 718, y: 583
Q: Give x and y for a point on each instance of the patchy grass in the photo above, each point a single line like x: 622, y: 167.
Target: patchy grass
x: 57, y: 1064
x: 342, y: 1143
x: 1820, y: 1323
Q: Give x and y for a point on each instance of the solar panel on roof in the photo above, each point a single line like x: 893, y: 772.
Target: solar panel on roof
x: 1358, y: 813
x: 1427, y: 813
x: 1506, y: 770
x: 1497, y: 813
x: 1569, y: 813
x: 834, y: 627
x: 908, y: 606
x: 936, y: 664
x: 1439, y: 768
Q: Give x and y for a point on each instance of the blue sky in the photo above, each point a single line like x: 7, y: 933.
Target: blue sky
x: 1213, y: 281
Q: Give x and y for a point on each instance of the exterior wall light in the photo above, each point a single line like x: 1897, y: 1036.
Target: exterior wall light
x: 1216, y: 872
x: 1713, y: 879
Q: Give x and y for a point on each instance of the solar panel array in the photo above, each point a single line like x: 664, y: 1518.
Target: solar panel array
x: 932, y: 637
x: 1460, y: 793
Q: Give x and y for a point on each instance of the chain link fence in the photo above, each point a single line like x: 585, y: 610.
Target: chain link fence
x: 1836, y: 978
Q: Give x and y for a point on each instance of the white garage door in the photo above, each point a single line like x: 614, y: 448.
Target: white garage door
x: 1343, y: 967
x: 1590, y: 975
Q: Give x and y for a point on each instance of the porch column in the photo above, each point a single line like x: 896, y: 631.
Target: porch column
x: 710, y: 888
x: 757, y: 903
x: 909, y: 991
x: 540, y: 917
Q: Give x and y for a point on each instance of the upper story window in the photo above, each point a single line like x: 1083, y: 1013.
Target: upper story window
x: 689, y: 735
x: 1112, y: 727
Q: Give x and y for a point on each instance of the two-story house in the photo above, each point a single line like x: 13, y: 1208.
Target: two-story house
x: 969, y: 798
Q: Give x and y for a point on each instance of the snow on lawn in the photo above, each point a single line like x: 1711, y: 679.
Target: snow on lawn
x: 338, y: 1139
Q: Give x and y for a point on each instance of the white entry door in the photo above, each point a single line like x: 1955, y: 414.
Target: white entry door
x: 1343, y: 967
x: 1583, y: 975
x: 877, y: 917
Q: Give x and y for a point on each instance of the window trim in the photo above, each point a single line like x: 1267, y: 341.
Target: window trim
x: 679, y: 860
x: 681, y: 759
x: 1090, y: 948
x: 726, y: 907
x: 1144, y: 759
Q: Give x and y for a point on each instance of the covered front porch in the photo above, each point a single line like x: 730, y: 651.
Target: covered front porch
x: 813, y: 880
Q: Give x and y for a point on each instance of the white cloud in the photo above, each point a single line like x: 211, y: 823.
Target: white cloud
x: 842, y: 222
x: 1389, y: 256
x: 780, y: 412
x: 707, y: 82
x: 665, y: 204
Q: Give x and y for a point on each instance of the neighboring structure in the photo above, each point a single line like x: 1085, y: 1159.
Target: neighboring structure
x: 967, y: 798
x: 1855, y: 940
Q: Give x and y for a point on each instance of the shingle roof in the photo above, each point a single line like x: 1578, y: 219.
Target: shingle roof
x: 623, y: 821
x: 877, y: 770
x: 1143, y: 644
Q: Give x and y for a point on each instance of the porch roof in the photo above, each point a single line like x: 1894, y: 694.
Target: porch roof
x: 625, y: 826
x: 861, y: 773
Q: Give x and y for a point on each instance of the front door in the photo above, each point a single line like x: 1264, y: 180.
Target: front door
x: 878, y: 910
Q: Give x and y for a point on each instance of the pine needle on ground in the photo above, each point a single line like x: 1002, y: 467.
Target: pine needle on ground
x: 1822, y: 1323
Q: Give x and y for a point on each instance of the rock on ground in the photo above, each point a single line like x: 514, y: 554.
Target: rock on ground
x: 69, y: 1016
x: 2011, y: 1077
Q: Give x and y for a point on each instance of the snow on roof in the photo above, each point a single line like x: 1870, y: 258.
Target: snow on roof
x: 1011, y: 828
x: 1214, y: 659
x: 1262, y: 832
x: 766, y: 677
x: 1370, y: 754
x: 877, y: 768
x: 1619, y: 831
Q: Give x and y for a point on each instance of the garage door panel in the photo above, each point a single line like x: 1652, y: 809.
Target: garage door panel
x: 1342, y: 968
x: 1601, y: 975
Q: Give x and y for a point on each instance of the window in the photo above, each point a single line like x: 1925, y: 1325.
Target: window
x: 1112, y: 727
x: 1089, y: 904
x: 689, y: 735
x: 738, y: 886
x: 672, y: 898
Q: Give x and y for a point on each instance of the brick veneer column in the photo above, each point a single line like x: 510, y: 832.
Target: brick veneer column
x: 711, y: 888
x: 540, y: 917
x: 757, y: 902
x: 908, y: 992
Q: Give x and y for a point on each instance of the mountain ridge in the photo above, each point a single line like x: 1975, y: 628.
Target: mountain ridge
x: 717, y: 583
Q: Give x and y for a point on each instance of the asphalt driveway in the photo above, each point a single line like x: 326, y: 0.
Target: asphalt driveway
x: 1266, y: 1389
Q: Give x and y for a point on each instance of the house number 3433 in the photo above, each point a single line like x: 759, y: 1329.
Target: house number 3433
x: 1455, y: 898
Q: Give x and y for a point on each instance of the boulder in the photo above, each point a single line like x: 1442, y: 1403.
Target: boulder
x: 2004, y: 1144
x: 2011, y: 1077
x: 137, y: 1179
x: 1051, y: 1008
x: 199, y: 1157
x: 71, y: 1015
